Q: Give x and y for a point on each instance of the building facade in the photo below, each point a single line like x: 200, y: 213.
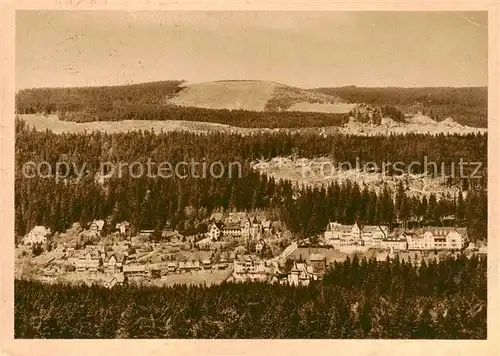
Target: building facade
x: 428, y: 238
x: 38, y: 234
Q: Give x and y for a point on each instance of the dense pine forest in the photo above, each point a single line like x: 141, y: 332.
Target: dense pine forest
x: 356, y: 299
x: 146, y: 101
x: 185, y: 204
x: 93, y: 99
x: 238, y: 118
x: 468, y: 106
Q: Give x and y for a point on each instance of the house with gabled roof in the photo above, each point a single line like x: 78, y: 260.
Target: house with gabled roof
x: 87, y: 264
x: 122, y: 227
x: 249, y: 268
x: 215, y: 231
x: 251, y: 229
x: 235, y: 217
x: 97, y: 225
x: 300, y: 275
x: 113, y: 262
x: 266, y: 226
x: 38, y: 235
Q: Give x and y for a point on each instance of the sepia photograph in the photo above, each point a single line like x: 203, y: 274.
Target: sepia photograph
x: 250, y: 175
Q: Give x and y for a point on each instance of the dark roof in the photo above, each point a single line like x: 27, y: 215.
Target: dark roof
x: 231, y: 227
x: 219, y: 224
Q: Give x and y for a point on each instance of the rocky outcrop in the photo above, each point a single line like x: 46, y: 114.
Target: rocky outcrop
x: 366, y: 114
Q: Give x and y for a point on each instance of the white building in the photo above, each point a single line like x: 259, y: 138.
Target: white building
x: 251, y: 229
x: 342, y: 235
x: 214, y: 231
x: 97, y: 225
x: 249, y: 268
x: 436, y: 238
x: 300, y: 275
x: 122, y: 227
x: 37, y: 235
x: 373, y: 235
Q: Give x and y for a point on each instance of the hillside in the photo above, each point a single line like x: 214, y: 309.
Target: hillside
x: 267, y: 105
x: 467, y: 106
x: 93, y: 99
x: 253, y: 104
x: 239, y: 95
x: 254, y: 95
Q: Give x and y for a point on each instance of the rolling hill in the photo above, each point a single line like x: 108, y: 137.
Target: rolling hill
x: 254, y: 95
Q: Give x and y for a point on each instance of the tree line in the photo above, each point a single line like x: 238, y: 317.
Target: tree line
x: 93, y: 100
x: 357, y: 299
x: 186, y: 203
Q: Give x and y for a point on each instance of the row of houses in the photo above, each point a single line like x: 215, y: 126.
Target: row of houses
x: 95, y: 260
x: 251, y: 268
x: 234, y: 225
x: 40, y: 234
x: 428, y: 238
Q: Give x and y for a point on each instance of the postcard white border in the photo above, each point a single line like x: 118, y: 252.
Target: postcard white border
x: 11, y: 346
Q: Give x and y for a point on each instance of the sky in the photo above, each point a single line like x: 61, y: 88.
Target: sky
x: 303, y: 49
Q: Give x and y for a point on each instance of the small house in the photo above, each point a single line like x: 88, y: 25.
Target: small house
x: 96, y: 225
x: 37, y: 235
x: 122, y: 227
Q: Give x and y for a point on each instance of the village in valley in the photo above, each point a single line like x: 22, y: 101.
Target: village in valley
x: 249, y: 175
x: 237, y: 247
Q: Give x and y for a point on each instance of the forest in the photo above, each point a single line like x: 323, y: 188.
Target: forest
x: 359, y: 299
x: 93, y: 99
x: 146, y: 101
x: 468, y: 105
x: 238, y: 118
x: 185, y: 204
